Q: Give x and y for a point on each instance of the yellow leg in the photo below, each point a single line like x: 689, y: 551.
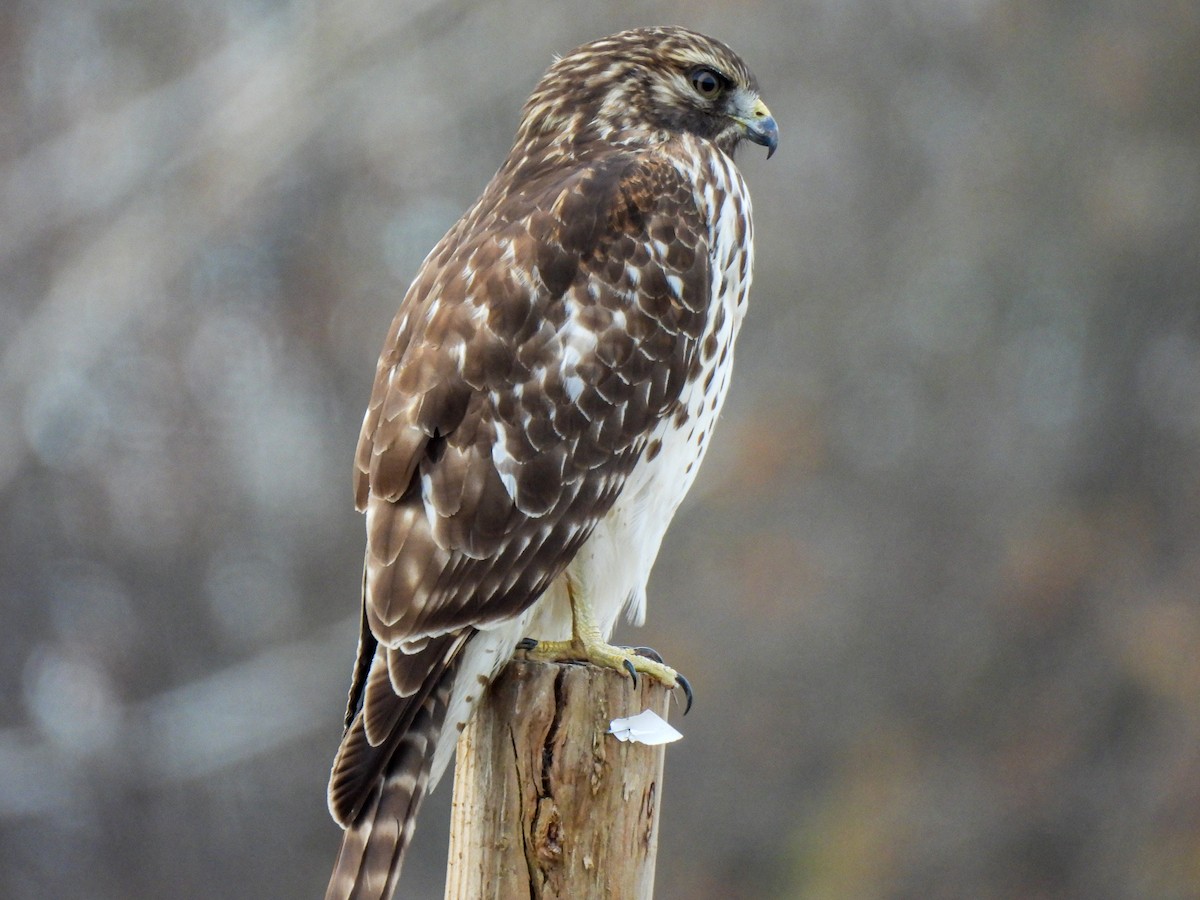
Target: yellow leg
x: 587, y: 645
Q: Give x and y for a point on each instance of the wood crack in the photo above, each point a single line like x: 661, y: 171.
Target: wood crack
x: 530, y: 860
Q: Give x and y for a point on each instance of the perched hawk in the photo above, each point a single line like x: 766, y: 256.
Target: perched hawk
x: 544, y: 399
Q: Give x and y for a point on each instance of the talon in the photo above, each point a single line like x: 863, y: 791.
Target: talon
x: 682, y: 682
x: 631, y: 670
x: 526, y: 643
x: 648, y: 652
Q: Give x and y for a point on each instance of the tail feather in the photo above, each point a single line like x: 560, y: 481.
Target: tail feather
x: 375, y: 736
x: 368, y: 865
x: 398, y: 746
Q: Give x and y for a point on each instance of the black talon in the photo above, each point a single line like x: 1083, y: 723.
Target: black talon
x: 648, y: 652
x: 631, y: 670
x: 526, y: 644
x: 682, y: 682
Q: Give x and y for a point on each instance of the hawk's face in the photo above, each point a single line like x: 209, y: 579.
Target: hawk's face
x: 640, y: 87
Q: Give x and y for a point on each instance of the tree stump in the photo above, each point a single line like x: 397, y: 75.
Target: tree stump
x: 548, y: 804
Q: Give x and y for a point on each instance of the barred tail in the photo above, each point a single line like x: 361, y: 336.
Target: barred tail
x: 368, y: 865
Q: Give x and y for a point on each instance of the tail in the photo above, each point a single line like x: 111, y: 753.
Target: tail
x: 368, y: 865
x: 393, y: 749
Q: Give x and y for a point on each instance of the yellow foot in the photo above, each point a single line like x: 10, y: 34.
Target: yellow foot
x: 625, y: 659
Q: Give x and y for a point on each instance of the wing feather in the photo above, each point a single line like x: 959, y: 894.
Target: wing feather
x: 541, y: 343
x: 583, y: 348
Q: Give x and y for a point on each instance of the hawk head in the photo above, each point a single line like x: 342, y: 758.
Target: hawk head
x: 640, y: 87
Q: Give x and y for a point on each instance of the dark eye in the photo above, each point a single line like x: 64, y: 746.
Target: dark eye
x: 707, y: 83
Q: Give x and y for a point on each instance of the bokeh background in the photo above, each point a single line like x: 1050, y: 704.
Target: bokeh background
x: 937, y: 586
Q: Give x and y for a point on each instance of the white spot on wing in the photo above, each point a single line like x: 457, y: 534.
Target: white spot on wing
x: 578, y: 342
x: 504, y: 463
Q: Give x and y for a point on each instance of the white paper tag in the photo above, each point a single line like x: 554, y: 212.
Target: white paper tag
x: 645, y: 728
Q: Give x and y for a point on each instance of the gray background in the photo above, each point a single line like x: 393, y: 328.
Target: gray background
x: 936, y: 588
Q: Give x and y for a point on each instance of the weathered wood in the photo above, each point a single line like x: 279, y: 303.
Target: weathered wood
x: 547, y: 804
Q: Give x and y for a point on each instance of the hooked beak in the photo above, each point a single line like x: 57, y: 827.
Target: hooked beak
x: 761, y: 128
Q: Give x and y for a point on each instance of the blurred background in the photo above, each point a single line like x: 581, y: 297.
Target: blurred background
x: 937, y: 588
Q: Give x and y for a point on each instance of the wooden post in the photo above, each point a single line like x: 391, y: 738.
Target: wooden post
x: 547, y: 804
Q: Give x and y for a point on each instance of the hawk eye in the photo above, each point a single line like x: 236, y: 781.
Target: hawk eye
x: 707, y: 83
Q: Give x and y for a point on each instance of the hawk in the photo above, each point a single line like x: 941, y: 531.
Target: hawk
x: 543, y: 401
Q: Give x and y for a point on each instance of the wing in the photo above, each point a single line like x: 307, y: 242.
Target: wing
x: 543, y: 339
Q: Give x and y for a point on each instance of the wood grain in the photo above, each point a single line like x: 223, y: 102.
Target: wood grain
x: 547, y: 804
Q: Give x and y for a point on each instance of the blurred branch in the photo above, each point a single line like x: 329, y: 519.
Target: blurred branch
x: 244, y: 711
x: 263, y: 96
